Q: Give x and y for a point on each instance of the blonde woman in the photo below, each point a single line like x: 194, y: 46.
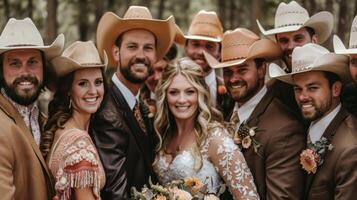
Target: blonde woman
x: 71, y: 154
x: 192, y: 142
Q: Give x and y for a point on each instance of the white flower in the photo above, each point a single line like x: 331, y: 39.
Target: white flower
x: 251, y: 132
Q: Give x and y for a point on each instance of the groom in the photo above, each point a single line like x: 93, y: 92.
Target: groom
x: 120, y: 129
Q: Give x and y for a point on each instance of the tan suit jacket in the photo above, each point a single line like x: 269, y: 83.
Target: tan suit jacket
x: 23, y: 171
x: 276, y: 170
x: 336, y: 178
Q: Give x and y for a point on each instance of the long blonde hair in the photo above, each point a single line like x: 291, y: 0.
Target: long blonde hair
x: 164, y: 122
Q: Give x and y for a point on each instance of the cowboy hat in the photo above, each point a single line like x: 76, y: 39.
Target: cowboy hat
x: 23, y: 34
x: 338, y: 44
x: 110, y: 27
x: 78, y: 55
x: 312, y: 57
x: 242, y: 44
x: 292, y: 17
x: 205, y: 26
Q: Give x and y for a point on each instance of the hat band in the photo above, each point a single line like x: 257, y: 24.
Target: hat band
x: 301, y: 68
x: 354, y: 46
x: 207, y: 35
x: 291, y: 24
x: 234, y: 58
x: 90, y: 64
x: 20, y: 45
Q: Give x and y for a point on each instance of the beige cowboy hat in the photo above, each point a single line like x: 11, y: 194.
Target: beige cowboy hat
x: 241, y: 45
x: 338, y: 44
x: 23, y: 34
x: 313, y: 57
x: 205, y: 26
x: 292, y: 17
x: 111, y: 26
x: 78, y: 55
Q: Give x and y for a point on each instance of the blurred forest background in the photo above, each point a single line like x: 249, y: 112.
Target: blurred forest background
x: 77, y: 19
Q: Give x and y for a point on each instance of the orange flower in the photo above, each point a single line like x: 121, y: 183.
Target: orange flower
x: 222, y: 89
x: 194, y: 183
x: 246, y: 142
x: 181, y: 194
x: 309, y: 160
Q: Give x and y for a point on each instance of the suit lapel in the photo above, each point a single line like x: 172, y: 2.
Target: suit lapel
x: 136, y: 131
x: 253, y: 119
x: 328, y: 134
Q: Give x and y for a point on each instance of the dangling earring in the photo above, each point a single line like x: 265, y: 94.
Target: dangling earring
x: 70, y: 104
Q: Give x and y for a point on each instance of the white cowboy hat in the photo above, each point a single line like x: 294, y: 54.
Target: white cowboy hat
x: 110, y: 27
x: 78, y: 55
x: 205, y: 26
x: 313, y: 57
x: 242, y: 44
x: 338, y: 44
x: 23, y: 34
x: 292, y: 17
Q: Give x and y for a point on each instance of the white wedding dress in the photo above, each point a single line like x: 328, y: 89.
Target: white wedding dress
x: 222, y: 162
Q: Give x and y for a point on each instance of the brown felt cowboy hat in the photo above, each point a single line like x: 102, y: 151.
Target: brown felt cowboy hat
x: 78, y: 55
x: 23, y: 34
x: 241, y: 45
x: 110, y: 27
x: 292, y: 17
x: 313, y: 57
x: 205, y: 26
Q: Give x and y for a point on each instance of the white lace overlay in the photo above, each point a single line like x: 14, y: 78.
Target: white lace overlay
x: 222, y: 163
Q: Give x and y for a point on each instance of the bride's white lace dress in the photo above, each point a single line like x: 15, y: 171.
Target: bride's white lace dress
x: 222, y: 162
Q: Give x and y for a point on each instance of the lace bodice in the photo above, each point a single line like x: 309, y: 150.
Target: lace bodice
x: 75, y: 163
x: 222, y: 162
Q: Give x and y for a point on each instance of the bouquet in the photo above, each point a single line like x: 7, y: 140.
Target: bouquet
x: 183, y: 189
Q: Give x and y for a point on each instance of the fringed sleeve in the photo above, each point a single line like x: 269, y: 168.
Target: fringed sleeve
x: 78, y: 168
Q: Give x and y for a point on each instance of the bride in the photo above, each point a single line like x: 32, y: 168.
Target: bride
x: 192, y: 142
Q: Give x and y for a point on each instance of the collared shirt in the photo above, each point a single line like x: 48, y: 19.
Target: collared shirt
x: 128, y: 95
x: 248, y: 107
x: 30, y: 115
x: 317, y: 128
x: 211, y: 82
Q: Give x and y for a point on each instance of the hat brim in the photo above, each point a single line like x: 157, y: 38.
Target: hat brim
x: 63, y: 65
x: 50, y: 51
x: 110, y: 27
x: 340, y: 48
x: 200, y: 37
x: 321, y: 22
x: 329, y: 62
x: 262, y: 48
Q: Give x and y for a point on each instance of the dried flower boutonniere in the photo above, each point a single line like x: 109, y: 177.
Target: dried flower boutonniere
x: 222, y: 89
x: 245, y: 137
x: 313, y: 157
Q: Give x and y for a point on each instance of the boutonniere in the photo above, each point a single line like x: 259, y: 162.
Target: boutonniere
x: 245, y: 137
x: 222, y: 89
x: 150, y: 108
x: 312, y: 157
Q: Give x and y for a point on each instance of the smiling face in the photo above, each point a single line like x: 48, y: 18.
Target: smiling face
x: 87, y: 90
x: 244, y: 81
x: 152, y: 81
x: 23, y: 75
x: 314, y: 95
x: 182, y: 98
x: 195, y: 48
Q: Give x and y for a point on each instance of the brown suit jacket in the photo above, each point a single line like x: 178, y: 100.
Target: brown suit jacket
x: 336, y: 178
x: 23, y: 171
x: 276, y: 170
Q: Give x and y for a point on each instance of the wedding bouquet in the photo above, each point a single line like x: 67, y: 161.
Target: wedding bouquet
x: 183, y: 189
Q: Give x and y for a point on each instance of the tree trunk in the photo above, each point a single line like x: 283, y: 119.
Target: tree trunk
x: 343, y: 18
x: 51, y: 22
x: 232, y: 16
x: 312, y: 9
x: 83, y: 17
x: 161, y: 8
x: 329, y: 5
x: 7, y: 9
x: 30, y: 8
x: 255, y: 14
x: 221, y: 7
x: 99, y: 5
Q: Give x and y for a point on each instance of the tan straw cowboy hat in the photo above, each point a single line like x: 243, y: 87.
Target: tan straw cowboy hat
x: 313, y: 57
x: 338, y: 44
x: 23, y: 34
x: 205, y: 26
x: 292, y: 17
x: 110, y: 27
x: 78, y: 55
x: 242, y: 44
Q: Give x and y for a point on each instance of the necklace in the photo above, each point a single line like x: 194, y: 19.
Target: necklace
x: 180, y: 145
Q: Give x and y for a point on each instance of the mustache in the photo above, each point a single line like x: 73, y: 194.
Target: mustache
x: 30, y: 79
x: 288, y: 52
x: 239, y: 82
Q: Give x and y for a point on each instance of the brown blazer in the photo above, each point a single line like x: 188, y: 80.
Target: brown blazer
x: 336, y: 178
x: 23, y: 171
x: 276, y: 170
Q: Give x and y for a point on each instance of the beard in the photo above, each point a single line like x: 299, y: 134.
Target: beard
x: 245, y: 93
x: 318, y: 111
x: 287, y: 59
x: 133, y: 76
x: 23, y: 97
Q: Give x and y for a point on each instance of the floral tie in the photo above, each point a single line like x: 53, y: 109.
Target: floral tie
x: 139, y: 117
x: 232, y: 124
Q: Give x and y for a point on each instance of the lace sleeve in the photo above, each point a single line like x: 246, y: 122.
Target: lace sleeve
x: 231, y: 165
x: 78, y: 167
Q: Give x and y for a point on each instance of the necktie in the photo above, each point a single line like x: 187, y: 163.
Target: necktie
x: 232, y: 124
x: 139, y: 117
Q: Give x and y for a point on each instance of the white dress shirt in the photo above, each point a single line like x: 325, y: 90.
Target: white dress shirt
x: 128, y: 95
x: 211, y: 82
